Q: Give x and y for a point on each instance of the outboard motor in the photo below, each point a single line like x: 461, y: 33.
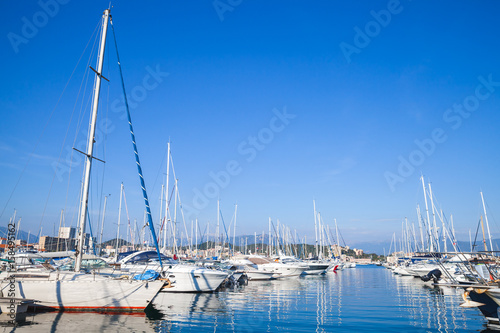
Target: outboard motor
x: 435, y: 275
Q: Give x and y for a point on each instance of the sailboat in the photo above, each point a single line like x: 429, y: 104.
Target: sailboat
x: 78, y: 290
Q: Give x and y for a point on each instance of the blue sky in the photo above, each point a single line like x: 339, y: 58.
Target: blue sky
x: 232, y: 67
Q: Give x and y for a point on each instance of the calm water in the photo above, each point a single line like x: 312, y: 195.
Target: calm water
x: 361, y: 299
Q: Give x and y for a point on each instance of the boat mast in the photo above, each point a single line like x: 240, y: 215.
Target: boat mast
x: 167, y: 202
x: 435, y: 235
x: 90, y: 145
x: 431, y: 235
x: 161, y: 210
x: 175, y: 217
x: 102, y: 224
x: 217, y: 230
x: 337, y: 236
x: 234, y: 228
x: 59, y: 231
x: 269, y: 241
x: 315, y: 229
x: 119, y: 220
x: 420, y: 222
x: 196, y: 240
x: 487, y: 224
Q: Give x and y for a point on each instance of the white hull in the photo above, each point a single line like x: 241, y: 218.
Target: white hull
x: 84, y: 292
x: 283, y: 270
x: 317, y: 268
x: 256, y: 275
x: 183, y: 278
x: 193, y: 279
x: 314, y: 272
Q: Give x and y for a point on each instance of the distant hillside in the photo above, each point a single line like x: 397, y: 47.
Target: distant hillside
x: 23, y: 235
x: 112, y: 242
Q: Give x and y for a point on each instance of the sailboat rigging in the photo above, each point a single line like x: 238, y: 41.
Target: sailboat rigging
x: 77, y: 290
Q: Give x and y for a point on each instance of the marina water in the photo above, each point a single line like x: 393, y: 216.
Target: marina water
x: 361, y: 299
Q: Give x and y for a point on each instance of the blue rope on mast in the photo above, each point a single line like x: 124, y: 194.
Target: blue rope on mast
x: 139, y: 169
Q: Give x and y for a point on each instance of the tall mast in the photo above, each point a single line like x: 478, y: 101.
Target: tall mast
x: 196, y: 237
x: 217, y: 230
x: 174, y: 223
x: 234, y: 228
x: 166, y: 199
x: 444, y: 232
x: 487, y: 224
x: 90, y: 145
x: 102, y: 224
x: 269, y: 241
x: 420, y: 222
x: 119, y: 218
x: 161, y: 208
x: 255, y: 243
x: 431, y: 235
x: 337, y: 236
x: 315, y: 229
x: 320, y: 233
x: 484, y: 238
x: 434, y: 225
x: 59, y: 231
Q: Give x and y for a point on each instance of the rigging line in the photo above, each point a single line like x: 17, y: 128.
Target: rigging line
x: 59, y: 158
x: 182, y: 212
x: 62, y: 149
x: 342, y: 238
x: 40, y: 136
x: 104, y: 148
x: 475, y: 237
x: 224, y: 224
x: 139, y: 169
x: 158, y: 173
x: 90, y: 227
x: 167, y: 210
x: 491, y: 216
x: 79, y: 119
x: 126, y: 210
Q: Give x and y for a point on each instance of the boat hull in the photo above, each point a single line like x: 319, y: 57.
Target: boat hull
x: 86, y: 294
x: 197, y: 280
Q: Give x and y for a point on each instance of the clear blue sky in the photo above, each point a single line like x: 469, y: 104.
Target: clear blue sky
x: 356, y: 103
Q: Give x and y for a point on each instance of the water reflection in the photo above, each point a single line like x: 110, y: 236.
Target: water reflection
x: 80, y: 322
x: 435, y: 307
x: 353, y: 300
x: 191, y: 310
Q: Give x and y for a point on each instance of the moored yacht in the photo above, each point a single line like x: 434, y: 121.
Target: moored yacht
x: 181, y: 277
x: 282, y: 269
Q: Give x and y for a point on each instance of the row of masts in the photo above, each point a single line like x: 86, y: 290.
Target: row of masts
x: 434, y: 238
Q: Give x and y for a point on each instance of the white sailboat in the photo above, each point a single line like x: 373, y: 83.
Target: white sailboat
x: 78, y: 290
